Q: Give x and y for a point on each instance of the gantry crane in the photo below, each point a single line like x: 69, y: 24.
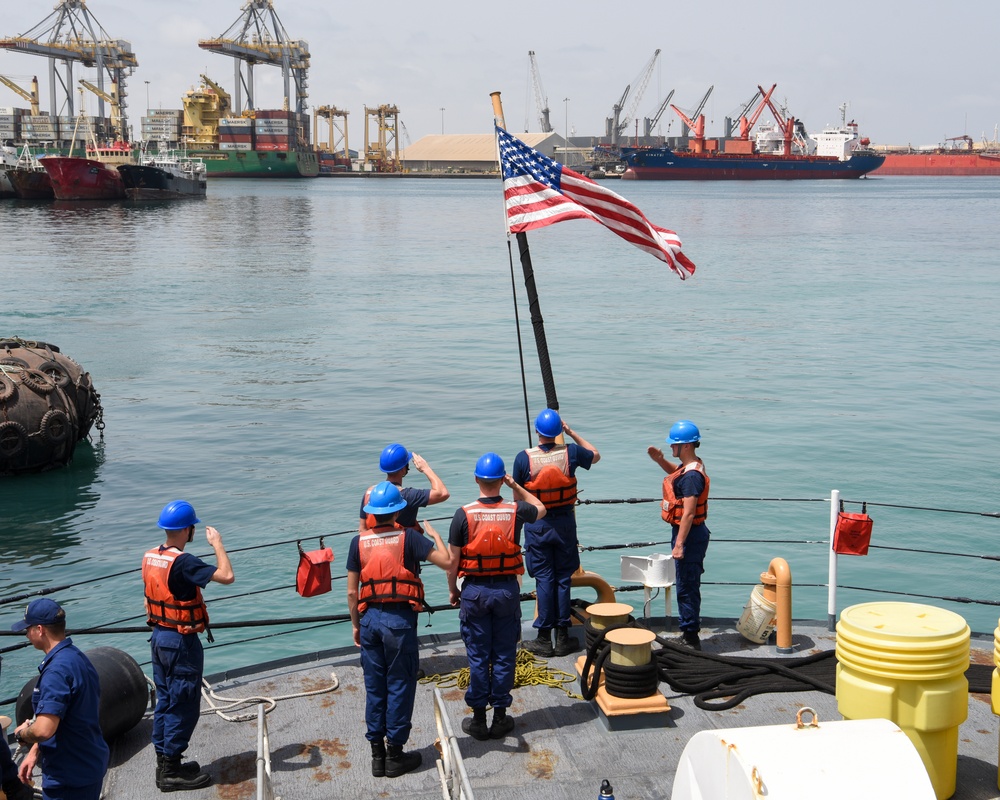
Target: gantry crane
x: 541, y: 100
x: 337, y: 139
x: 74, y: 35
x: 112, y: 98
x: 386, y: 118
x: 258, y: 37
x: 30, y: 96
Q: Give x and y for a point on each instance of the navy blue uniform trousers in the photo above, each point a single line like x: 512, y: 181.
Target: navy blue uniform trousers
x: 490, y: 617
x: 178, y: 664
x: 389, y: 659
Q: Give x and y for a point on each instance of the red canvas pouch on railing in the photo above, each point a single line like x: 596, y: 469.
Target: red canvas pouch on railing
x: 853, y: 533
x: 313, y: 576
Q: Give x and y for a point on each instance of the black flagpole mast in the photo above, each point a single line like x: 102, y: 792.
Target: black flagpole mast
x: 537, y: 323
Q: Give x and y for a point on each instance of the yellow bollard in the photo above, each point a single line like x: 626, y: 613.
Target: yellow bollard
x: 606, y: 615
x: 631, y: 647
x: 906, y: 662
x: 995, y: 689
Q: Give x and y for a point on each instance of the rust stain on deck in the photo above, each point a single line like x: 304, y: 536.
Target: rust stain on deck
x: 542, y: 764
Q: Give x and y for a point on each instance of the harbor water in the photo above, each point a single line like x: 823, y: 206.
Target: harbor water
x: 256, y: 350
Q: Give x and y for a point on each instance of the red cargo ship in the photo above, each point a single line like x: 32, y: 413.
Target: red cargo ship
x: 95, y: 177
x: 964, y: 160
x: 941, y: 162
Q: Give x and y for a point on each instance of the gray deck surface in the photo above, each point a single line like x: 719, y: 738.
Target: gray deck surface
x: 560, y: 748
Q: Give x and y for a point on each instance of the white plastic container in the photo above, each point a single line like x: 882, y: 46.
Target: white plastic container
x: 759, y: 617
x: 848, y: 758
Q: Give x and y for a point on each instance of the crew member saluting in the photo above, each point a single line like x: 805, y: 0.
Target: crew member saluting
x: 395, y: 463
x: 175, y: 609
x: 551, y: 549
x: 485, y: 542
x: 685, y: 509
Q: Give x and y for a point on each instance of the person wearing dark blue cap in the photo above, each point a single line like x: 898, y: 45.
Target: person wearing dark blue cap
x: 395, y: 463
x: 176, y: 611
x: 64, y: 736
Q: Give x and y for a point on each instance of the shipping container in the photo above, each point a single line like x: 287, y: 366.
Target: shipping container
x: 245, y: 146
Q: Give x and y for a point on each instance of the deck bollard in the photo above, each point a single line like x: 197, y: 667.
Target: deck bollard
x: 906, y: 662
x: 995, y: 689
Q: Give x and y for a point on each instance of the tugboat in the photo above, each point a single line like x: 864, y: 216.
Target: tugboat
x: 165, y: 176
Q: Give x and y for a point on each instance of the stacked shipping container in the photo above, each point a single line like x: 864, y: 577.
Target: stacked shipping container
x: 163, y: 125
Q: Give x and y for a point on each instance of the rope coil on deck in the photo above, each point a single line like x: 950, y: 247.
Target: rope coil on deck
x: 528, y: 671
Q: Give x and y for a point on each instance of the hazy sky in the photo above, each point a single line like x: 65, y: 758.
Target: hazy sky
x: 910, y: 74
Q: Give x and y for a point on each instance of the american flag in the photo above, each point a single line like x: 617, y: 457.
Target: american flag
x: 539, y: 191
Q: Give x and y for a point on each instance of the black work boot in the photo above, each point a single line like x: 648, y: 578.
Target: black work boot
x: 565, y: 644
x: 378, y: 759
x: 399, y: 763
x: 476, y: 726
x: 689, y: 639
x: 542, y: 646
x: 502, y: 724
x: 175, y: 778
x: 188, y: 767
x: 15, y: 790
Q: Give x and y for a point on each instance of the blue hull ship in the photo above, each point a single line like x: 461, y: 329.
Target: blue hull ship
x: 662, y: 164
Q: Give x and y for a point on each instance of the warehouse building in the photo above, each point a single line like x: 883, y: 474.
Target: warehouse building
x: 471, y: 152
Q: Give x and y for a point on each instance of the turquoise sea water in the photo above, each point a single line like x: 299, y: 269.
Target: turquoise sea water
x: 256, y: 350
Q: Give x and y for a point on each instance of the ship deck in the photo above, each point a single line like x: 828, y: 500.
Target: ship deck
x: 561, y: 748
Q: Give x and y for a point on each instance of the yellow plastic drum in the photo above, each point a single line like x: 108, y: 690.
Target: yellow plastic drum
x: 995, y: 689
x: 906, y: 662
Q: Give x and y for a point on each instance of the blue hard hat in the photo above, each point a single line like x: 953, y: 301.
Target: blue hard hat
x: 385, y: 498
x: 394, y: 458
x: 490, y: 466
x: 548, y: 423
x: 683, y: 432
x: 177, y: 515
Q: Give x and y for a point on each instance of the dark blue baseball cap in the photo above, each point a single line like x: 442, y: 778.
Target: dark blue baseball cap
x: 40, y: 612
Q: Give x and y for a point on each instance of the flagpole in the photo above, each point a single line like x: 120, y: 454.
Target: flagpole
x: 534, y: 307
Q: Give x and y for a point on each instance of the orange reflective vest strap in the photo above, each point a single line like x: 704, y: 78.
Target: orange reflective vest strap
x: 162, y: 608
x: 370, y: 521
x: 384, y: 577
x: 550, y: 480
x: 491, y: 549
x: 672, y: 508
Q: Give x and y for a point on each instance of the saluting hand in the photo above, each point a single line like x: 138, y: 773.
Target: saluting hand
x: 655, y: 453
x: 213, y: 536
x: 419, y: 463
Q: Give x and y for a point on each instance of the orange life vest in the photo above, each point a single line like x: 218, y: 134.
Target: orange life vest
x: 672, y: 508
x: 549, y: 478
x: 384, y: 577
x: 162, y: 608
x: 491, y: 549
x: 370, y: 518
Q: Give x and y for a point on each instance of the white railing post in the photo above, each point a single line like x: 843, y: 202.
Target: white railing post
x: 831, y: 596
x: 265, y: 791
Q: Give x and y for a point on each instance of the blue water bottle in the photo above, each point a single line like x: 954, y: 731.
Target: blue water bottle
x: 607, y: 793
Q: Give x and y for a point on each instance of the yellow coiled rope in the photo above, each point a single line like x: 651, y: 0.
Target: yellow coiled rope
x: 528, y: 671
